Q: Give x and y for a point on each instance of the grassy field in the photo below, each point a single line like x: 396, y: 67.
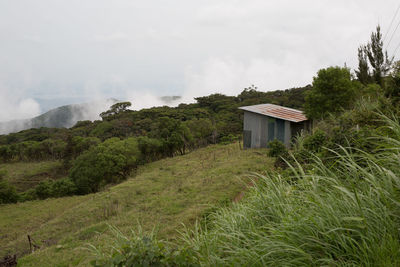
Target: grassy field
x: 25, y: 175
x: 163, y: 194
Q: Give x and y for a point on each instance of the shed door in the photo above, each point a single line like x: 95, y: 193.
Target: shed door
x: 280, y: 124
x: 271, y: 129
x: 246, y: 139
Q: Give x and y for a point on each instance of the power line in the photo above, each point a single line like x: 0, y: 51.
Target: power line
x: 397, y: 47
x: 391, y: 23
x: 391, y: 37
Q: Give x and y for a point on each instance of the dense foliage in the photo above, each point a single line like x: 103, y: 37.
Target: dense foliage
x: 108, y: 162
x: 332, y: 91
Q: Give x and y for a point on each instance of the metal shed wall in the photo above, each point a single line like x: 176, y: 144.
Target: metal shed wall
x: 260, y: 126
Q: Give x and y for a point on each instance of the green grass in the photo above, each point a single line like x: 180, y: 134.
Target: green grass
x: 163, y: 194
x: 26, y: 175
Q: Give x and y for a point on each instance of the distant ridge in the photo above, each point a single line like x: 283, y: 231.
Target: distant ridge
x: 68, y: 115
x: 61, y: 117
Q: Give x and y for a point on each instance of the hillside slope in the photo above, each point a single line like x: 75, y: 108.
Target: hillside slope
x: 161, y: 194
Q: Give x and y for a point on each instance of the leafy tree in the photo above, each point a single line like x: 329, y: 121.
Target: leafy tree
x: 115, y: 109
x: 174, y: 134
x: 202, y: 130
x: 105, y: 163
x: 332, y: 91
x: 103, y: 130
x: 151, y: 148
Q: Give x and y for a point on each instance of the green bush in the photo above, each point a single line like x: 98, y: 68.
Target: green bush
x: 28, y: 195
x: 8, y: 194
x: 108, y: 162
x: 276, y: 148
x: 227, y: 139
x: 63, y: 187
x: 44, y: 189
x: 315, y: 141
x: 143, y: 250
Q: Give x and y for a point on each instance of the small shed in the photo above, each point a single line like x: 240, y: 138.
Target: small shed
x: 266, y: 122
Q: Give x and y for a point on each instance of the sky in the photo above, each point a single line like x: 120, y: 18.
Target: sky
x: 55, y: 52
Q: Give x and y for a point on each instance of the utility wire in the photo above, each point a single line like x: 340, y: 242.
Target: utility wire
x: 397, y: 47
x: 391, y: 37
x: 391, y: 23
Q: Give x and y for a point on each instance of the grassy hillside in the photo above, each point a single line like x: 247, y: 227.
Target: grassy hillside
x: 161, y: 194
x: 26, y: 175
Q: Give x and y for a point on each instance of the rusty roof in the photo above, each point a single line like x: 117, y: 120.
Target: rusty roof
x: 271, y: 110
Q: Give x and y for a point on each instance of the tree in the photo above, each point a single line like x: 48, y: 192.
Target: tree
x: 105, y: 163
x: 363, y: 73
x: 379, y: 60
x: 332, y: 91
x: 115, y: 109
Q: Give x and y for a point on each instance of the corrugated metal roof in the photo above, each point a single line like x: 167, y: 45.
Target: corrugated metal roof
x: 276, y: 111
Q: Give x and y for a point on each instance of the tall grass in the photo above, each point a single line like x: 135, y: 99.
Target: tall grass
x: 341, y: 215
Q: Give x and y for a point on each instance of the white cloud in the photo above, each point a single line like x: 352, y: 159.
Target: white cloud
x: 230, y: 76
x: 140, y: 50
x: 15, y: 106
x: 112, y: 37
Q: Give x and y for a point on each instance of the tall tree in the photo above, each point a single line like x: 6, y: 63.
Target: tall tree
x: 363, y: 73
x: 379, y: 60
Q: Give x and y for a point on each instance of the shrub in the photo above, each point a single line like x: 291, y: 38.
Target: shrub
x: 108, y: 162
x: 8, y: 194
x: 44, y: 189
x: 142, y: 250
x: 315, y: 141
x: 63, y: 187
x: 227, y: 139
x: 28, y: 195
x: 276, y: 148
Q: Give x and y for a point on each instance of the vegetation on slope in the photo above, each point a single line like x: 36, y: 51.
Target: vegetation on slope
x: 339, y: 208
x: 162, y: 194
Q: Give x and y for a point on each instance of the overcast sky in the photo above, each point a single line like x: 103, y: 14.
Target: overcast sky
x: 61, y: 51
